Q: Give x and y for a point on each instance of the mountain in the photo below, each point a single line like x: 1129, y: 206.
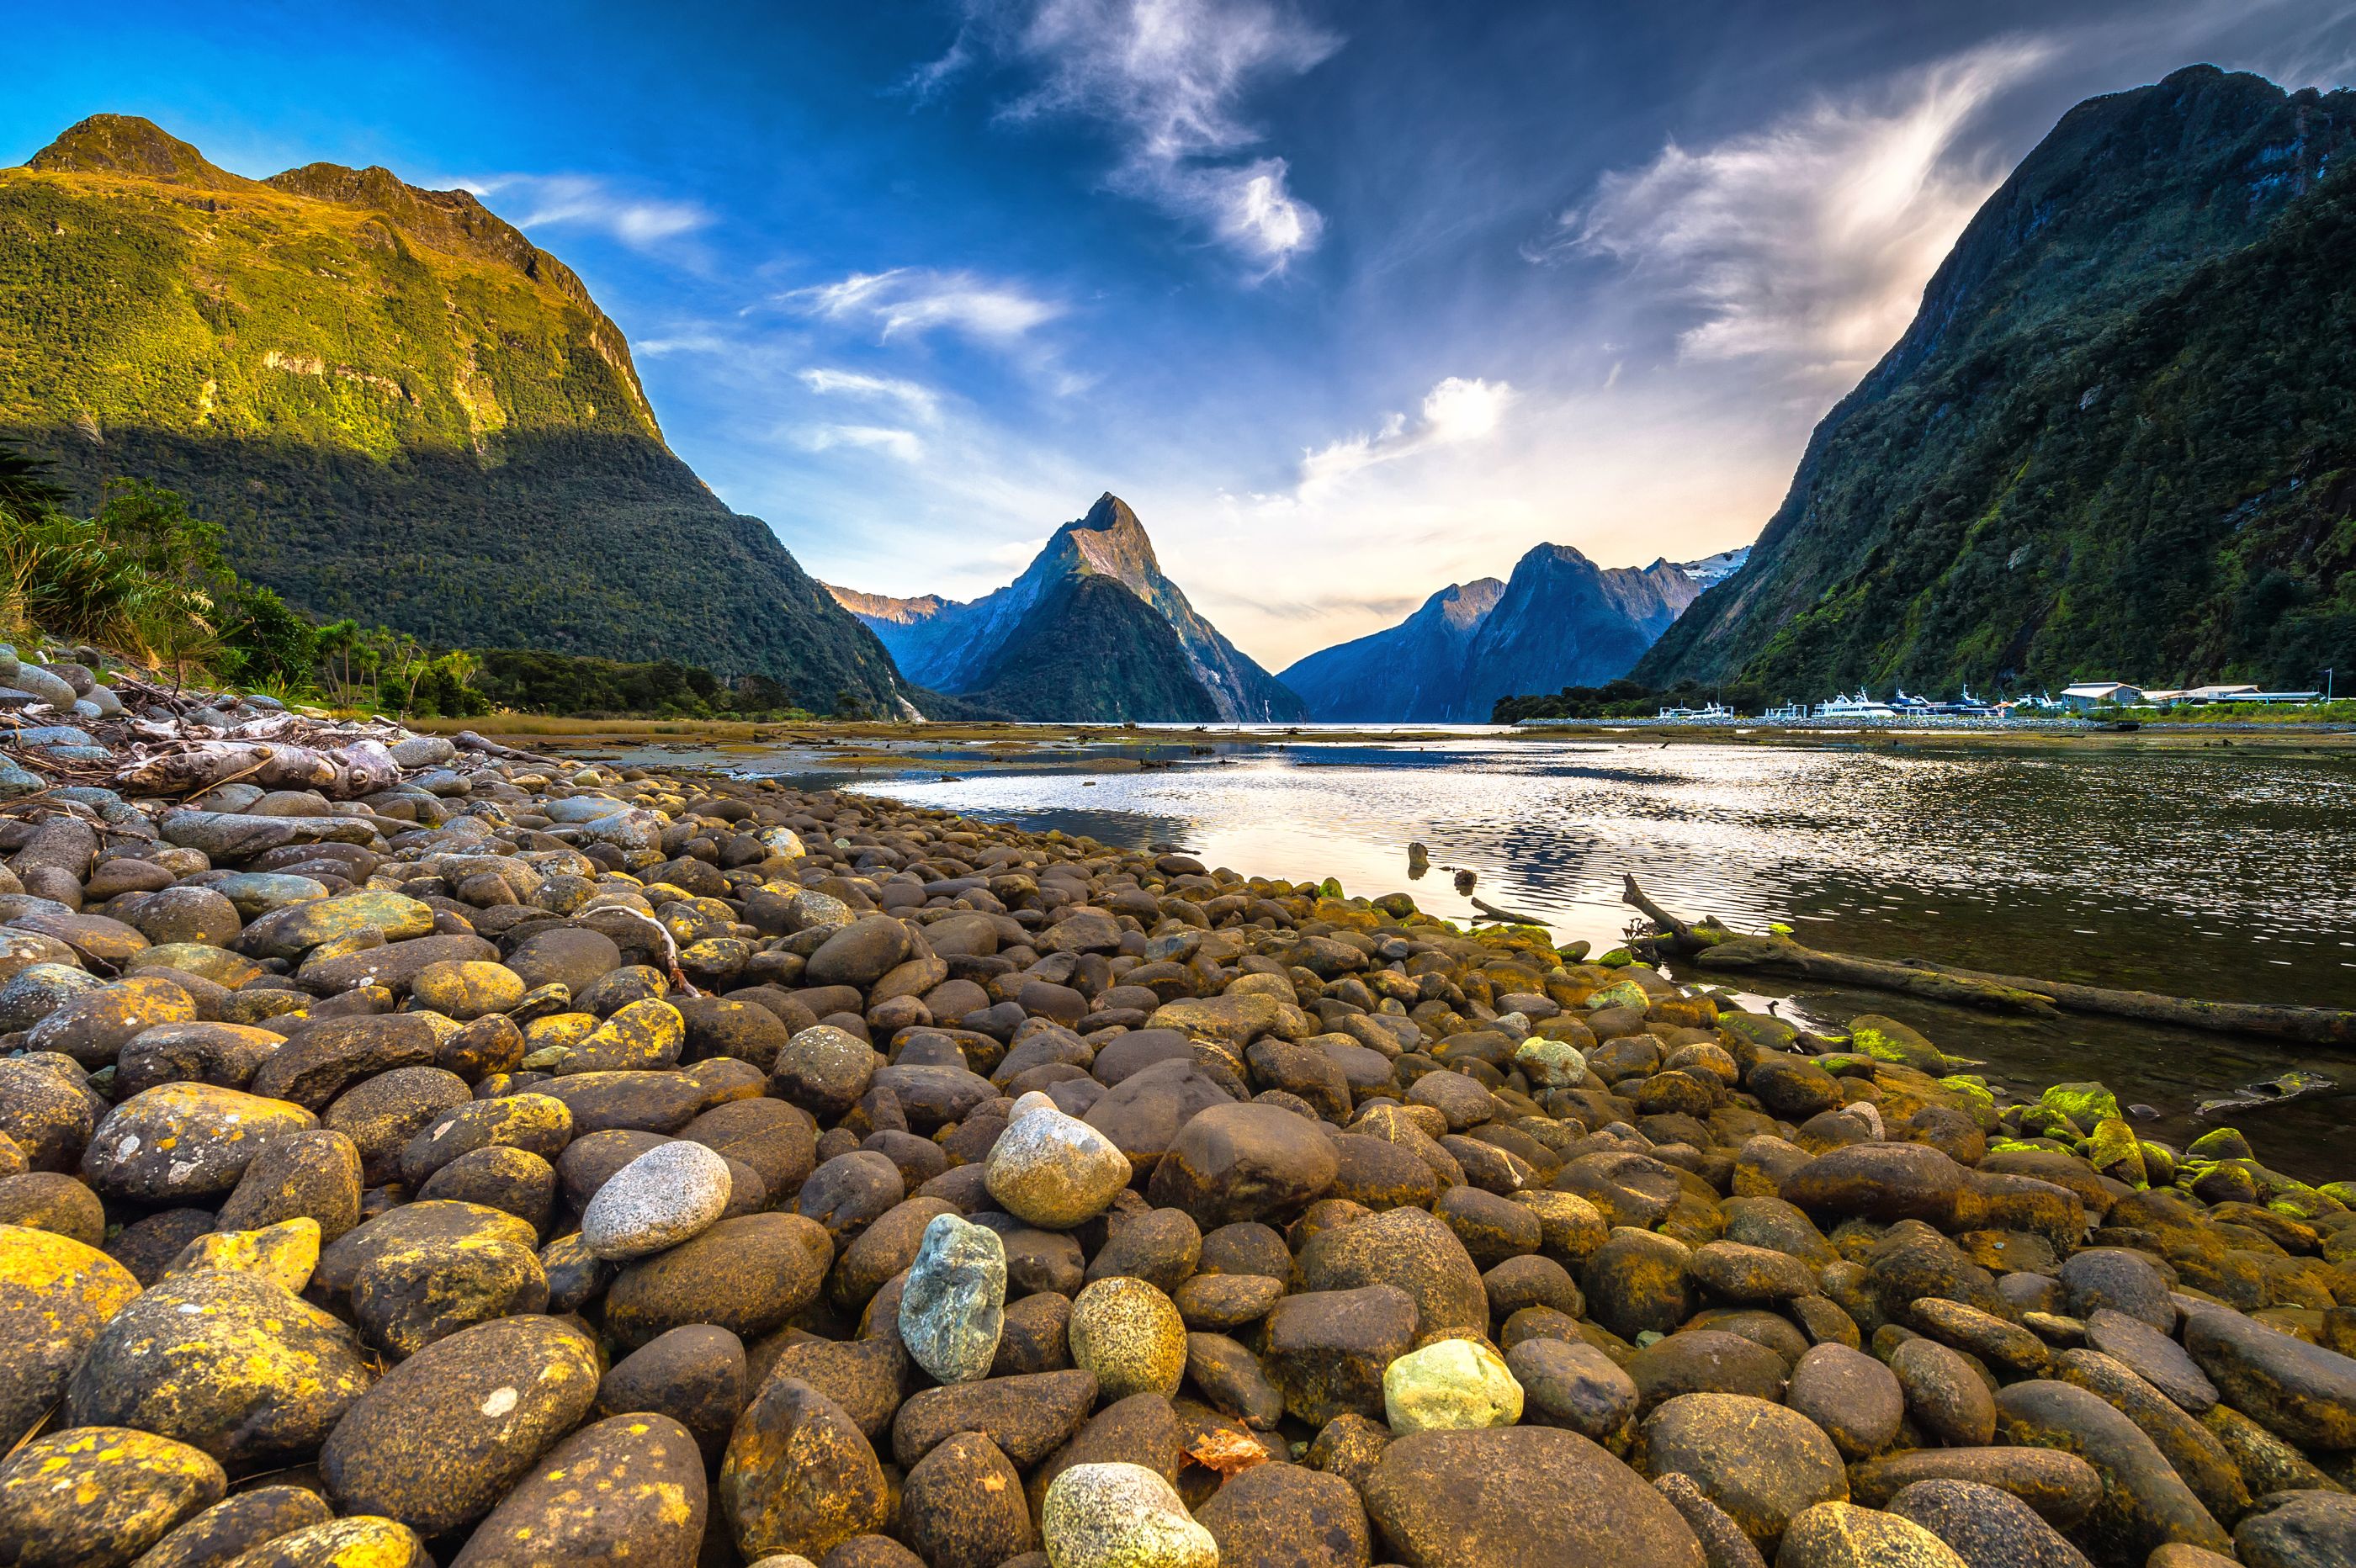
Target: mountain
x: 979, y: 645
x: 2116, y: 441
x: 398, y: 407
x: 1559, y: 621
x: 1713, y: 570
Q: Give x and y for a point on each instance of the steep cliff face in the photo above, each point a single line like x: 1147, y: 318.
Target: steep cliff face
x: 398, y: 407
x: 2115, y: 436
x: 957, y: 646
x: 1559, y: 621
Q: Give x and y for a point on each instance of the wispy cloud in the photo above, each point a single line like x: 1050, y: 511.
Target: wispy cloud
x: 1457, y: 410
x: 1169, y: 78
x: 585, y: 201
x: 1809, y: 239
x: 915, y: 300
x: 903, y: 444
x: 919, y: 400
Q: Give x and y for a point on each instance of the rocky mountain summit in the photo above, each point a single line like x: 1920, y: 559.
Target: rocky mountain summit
x: 489, y: 1159
x: 1559, y: 621
x: 1037, y: 649
x: 399, y: 407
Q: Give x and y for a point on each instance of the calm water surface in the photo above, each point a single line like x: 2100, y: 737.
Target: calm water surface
x: 2206, y: 874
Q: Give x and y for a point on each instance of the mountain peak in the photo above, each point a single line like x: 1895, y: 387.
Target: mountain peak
x: 452, y: 221
x: 1111, y: 514
x: 128, y: 144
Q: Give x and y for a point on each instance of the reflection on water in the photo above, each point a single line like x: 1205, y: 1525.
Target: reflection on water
x: 2201, y: 874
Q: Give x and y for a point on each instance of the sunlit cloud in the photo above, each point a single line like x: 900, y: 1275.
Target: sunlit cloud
x: 584, y: 201
x: 918, y: 399
x: 1457, y: 410
x: 915, y: 300
x: 1169, y: 78
x: 905, y: 446
x: 1807, y: 241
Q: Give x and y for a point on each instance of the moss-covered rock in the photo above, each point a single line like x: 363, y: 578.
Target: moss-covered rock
x: 224, y: 1361
x: 97, y: 1496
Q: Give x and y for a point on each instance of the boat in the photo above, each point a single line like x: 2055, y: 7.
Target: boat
x: 1789, y: 713
x: 1861, y: 706
x: 1715, y: 713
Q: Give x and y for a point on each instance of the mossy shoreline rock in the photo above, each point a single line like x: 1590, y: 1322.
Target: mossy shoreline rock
x: 1004, y: 1193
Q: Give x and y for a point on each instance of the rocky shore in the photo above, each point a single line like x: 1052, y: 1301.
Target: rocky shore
x: 509, y: 1162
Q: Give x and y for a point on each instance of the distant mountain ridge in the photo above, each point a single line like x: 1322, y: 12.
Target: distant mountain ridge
x: 397, y: 406
x: 2115, y: 441
x: 1558, y: 621
x: 960, y: 647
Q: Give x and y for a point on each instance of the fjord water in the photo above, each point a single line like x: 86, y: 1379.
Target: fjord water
x: 2215, y: 873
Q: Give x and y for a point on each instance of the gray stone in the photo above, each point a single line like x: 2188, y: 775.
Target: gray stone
x: 662, y: 1197
x: 1052, y: 1170
x: 1986, y: 1527
x: 952, y: 1308
x: 1121, y: 1516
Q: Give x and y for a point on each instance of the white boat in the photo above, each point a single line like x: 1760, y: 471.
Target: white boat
x: 1716, y: 713
x: 1861, y: 706
x: 1789, y: 713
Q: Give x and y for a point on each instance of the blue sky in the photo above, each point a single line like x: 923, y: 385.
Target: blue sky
x: 1349, y: 300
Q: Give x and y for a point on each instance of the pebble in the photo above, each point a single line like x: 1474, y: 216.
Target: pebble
x: 1449, y: 1384
x: 326, y: 1141
x: 952, y: 1308
x: 1121, y: 1516
x: 668, y: 1194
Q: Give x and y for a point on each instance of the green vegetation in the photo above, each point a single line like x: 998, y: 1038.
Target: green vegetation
x: 1624, y: 699
x: 145, y: 579
x: 2118, y: 443
x: 529, y: 681
x: 1092, y: 651
x: 395, y: 407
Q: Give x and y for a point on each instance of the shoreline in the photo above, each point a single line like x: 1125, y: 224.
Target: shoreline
x: 814, y: 1128
x: 863, y: 741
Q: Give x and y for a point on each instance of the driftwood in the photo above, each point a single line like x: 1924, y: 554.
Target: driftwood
x: 1508, y: 916
x: 1711, y: 947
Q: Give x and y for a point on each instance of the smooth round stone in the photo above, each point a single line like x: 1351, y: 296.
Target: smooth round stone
x: 236, y: 1525
x: 1121, y: 1516
x: 2152, y: 1356
x: 182, y: 1141
x: 823, y: 1070
x: 1759, y: 1462
x: 2305, y: 1530
x: 1449, y: 1385
x: 962, y: 1506
x: 1853, y: 1397
x: 1054, y: 1170
x: 1945, y: 1395
x: 364, y: 1539
x: 2299, y: 1391
x: 447, y: 1433
x: 97, y: 1496
x: 668, y: 1194
x: 1841, y: 1535
x: 465, y: 989
x: 1984, y: 1526
x: 628, y: 1489
x: 1572, y: 1383
x: 952, y: 1308
x: 56, y: 1294
x: 1520, y: 1495
x: 799, y: 1475
x: 225, y: 1361
x: 1288, y: 1516
x: 1130, y: 1337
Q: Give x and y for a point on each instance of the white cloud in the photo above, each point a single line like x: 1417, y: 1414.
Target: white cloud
x: 915, y: 300
x: 1808, y: 240
x: 586, y: 202
x: 919, y: 400
x: 1456, y: 411
x: 905, y: 446
x: 1169, y: 77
